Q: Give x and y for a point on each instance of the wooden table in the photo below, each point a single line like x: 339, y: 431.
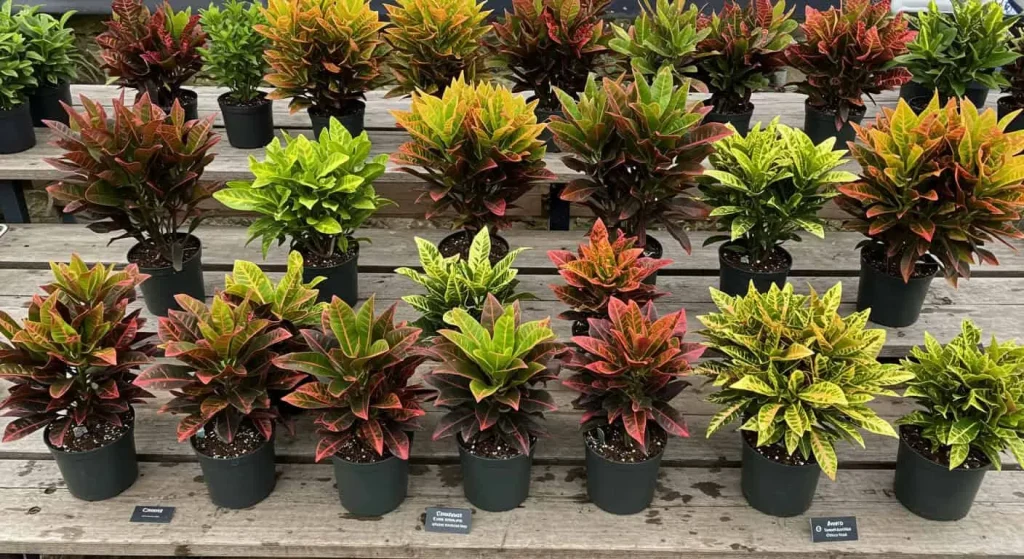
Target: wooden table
x: 698, y: 511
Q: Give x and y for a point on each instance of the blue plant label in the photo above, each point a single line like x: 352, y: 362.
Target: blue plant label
x: 153, y: 514
x: 834, y: 529
x: 448, y: 520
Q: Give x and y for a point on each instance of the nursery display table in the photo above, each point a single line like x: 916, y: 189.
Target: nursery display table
x: 698, y: 510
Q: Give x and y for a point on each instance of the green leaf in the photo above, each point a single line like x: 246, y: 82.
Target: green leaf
x: 824, y: 393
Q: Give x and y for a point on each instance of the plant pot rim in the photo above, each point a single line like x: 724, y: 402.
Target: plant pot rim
x: 933, y: 464
x: 462, y: 448
x: 355, y: 255
x: 52, y: 87
x: 610, y: 461
x: 192, y: 443
x: 261, y: 95
x: 129, y: 431
x: 749, y: 111
x: 789, y: 260
x: 357, y: 106
x: 197, y: 254
x: 1007, y: 101
x: 865, y: 264
x: 854, y: 113
x: 807, y: 466
x: 336, y: 458
x: 17, y: 109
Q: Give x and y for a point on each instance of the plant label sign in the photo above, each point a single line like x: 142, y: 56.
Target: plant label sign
x: 834, y: 529
x: 448, y: 520
x: 152, y: 514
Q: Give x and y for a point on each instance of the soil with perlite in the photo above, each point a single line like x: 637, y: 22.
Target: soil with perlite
x: 313, y: 260
x: 247, y: 440
x: 96, y: 434
x: 493, y: 447
x: 774, y: 261
x: 891, y: 266
x: 147, y: 255
x: 776, y: 452
x: 617, y: 445
x: 911, y: 434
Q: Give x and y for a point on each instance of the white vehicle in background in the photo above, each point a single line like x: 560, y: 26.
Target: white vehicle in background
x: 1010, y: 7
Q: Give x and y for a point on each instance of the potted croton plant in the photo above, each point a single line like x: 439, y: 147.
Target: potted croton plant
x: 958, y: 54
x: 220, y: 382
x: 138, y: 171
x: 324, y: 55
x: 486, y: 156
x: 455, y: 282
x: 551, y: 43
x: 666, y: 34
x: 627, y: 370
x: 847, y: 52
x: 361, y: 364
x: 972, y: 399
x: 641, y: 146
x: 435, y: 41
x: 795, y: 394
x: 488, y: 376
x: 154, y: 53
x: 603, y: 268
x: 72, y: 362
x: 234, y: 57
x: 55, y: 58
x: 1014, y: 74
x: 765, y: 189
x: 17, y: 81
x: 929, y: 198
x: 315, y: 195
x: 746, y: 46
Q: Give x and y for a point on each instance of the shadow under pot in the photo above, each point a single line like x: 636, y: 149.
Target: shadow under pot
x: 237, y: 474
x: 927, y: 487
x: 460, y: 241
x: 621, y: 478
x: 97, y: 470
x: 18, y: 133
x: 544, y: 116
x: 820, y: 125
x: 370, y: 488
x: 892, y: 301
x: 44, y: 103
x: 352, y: 117
x: 249, y: 124
x: 735, y: 274
x: 340, y: 273
x: 164, y: 281
x: 773, y: 487
x: 740, y: 121
x: 189, y: 101
x: 652, y: 249
x: 1007, y: 105
x: 495, y: 477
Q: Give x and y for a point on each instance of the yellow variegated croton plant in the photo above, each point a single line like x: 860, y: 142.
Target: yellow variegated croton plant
x: 795, y: 372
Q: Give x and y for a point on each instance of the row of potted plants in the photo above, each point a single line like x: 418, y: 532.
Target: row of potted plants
x: 236, y: 363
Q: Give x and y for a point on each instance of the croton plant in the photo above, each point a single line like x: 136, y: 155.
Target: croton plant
x: 666, y: 34
x: 154, y: 53
x: 943, y: 182
x: 477, y: 149
x: 1014, y: 71
x: 746, y: 45
x: 17, y: 74
x: 552, y: 43
x: 323, y: 53
x: 641, y: 147
x: 50, y: 46
x: 847, y: 53
x: 153, y: 195
x: 434, y: 42
x: 73, y: 360
x: 234, y: 54
x: 291, y: 303
x: 604, y: 268
x: 630, y: 367
x: 796, y: 373
x: 361, y: 363
x: 488, y: 372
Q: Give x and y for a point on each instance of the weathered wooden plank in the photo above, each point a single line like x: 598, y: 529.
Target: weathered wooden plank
x: 33, y: 245
x: 696, y: 513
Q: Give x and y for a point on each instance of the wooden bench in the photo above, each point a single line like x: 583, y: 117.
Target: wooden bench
x: 18, y: 171
x: 698, y: 510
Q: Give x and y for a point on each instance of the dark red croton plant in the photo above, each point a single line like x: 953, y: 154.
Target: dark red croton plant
x: 73, y: 360
x: 630, y: 367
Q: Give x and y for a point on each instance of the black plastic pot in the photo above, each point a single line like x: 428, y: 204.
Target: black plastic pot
x: 739, y: 121
x: 352, y: 118
x: 621, y: 487
x: 189, y: 101
x: 652, y: 249
x: 18, y: 134
x: 44, y: 103
x: 734, y: 280
x: 494, y: 484
x: 248, y: 126
x: 774, y: 488
x: 101, y: 473
x: 580, y: 328
x: 892, y: 302
x: 820, y: 125
x: 543, y: 116
x: 341, y: 280
x: 237, y: 483
x: 932, y: 490
x: 1005, y: 106
x: 499, y: 246
x: 371, y: 489
x: 976, y: 92
x: 164, y: 283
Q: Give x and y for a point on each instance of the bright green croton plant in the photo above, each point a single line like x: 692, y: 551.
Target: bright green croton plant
x: 795, y: 372
x: 972, y: 396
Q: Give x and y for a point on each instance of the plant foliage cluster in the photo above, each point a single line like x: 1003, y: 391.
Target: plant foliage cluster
x: 51, y: 46
x: 666, y: 34
x: 17, y: 76
x: 234, y: 54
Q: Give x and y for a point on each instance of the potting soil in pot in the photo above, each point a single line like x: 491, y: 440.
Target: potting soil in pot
x: 612, y: 442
